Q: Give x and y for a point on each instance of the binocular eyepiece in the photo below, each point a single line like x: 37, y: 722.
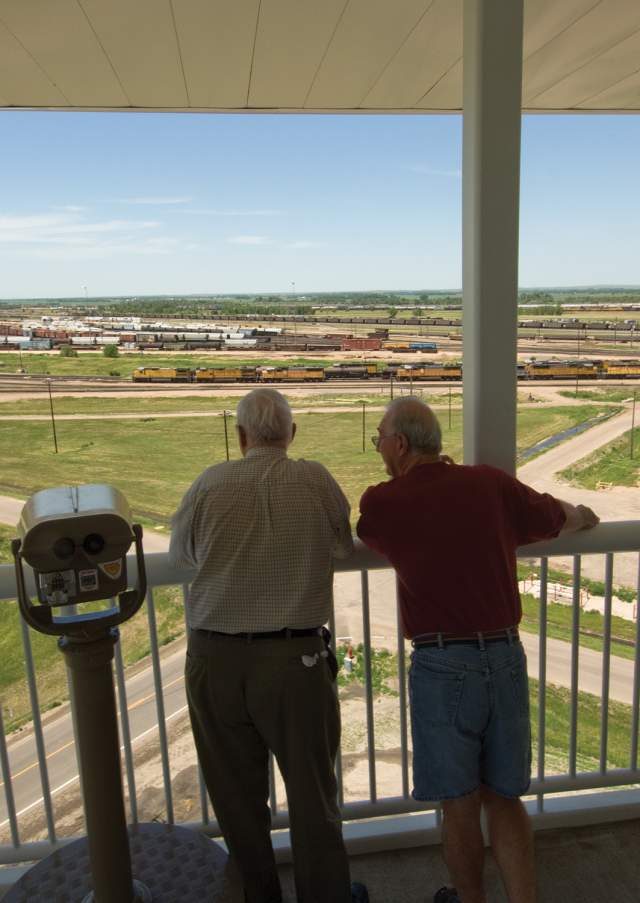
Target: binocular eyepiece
x: 64, y: 547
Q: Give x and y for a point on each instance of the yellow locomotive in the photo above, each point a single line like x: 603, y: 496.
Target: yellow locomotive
x: 162, y: 375
x: 562, y: 369
x: 226, y: 374
x: 449, y: 372
x: 627, y: 369
x: 291, y: 374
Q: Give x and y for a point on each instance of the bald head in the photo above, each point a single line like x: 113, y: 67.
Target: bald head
x: 264, y: 417
x: 415, y: 420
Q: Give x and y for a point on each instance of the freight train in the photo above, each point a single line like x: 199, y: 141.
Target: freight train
x: 444, y: 372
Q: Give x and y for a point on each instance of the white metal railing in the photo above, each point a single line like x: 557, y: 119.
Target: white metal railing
x: 413, y: 822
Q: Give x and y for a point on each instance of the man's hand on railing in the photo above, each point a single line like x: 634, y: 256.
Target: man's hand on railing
x: 589, y: 517
x: 579, y: 517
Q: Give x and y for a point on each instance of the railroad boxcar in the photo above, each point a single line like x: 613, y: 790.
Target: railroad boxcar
x: 625, y: 369
x: 371, y: 343
x: 445, y: 371
x: 226, y: 374
x: 162, y: 375
x: 34, y: 344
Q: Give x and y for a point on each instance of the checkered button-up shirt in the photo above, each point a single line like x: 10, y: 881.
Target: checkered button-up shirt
x: 262, y: 533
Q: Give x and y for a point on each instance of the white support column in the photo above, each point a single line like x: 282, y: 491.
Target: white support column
x: 490, y: 191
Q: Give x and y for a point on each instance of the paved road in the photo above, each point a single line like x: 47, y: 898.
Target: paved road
x: 58, y: 735
x: 620, y: 503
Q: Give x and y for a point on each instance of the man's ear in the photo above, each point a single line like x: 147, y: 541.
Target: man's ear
x: 242, y: 438
x: 404, y: 443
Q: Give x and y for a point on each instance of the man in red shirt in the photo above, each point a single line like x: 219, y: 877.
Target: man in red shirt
x: 451, y: 532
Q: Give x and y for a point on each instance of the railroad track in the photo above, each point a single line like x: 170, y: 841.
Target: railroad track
x: 11, y: 384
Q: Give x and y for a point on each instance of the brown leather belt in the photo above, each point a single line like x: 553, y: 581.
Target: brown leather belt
x: 285, y: 634
x: 480, y: 639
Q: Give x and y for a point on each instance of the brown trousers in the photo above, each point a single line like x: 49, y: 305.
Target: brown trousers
x: 246, y: 698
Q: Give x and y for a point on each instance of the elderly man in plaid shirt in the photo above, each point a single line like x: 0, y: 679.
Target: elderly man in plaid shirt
x: 262, y: 533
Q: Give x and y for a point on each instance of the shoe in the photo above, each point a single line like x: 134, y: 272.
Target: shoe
x: 359, y: 893
x: 446, y: 895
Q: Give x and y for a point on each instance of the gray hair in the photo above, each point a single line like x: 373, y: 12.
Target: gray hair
x: 415, y: 420
x: 265, y: 415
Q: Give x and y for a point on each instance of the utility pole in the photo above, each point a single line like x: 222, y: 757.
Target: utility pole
x: 633, y: 424
x: 363, y: 425
x: 53, y: 419
x: 226, y: 434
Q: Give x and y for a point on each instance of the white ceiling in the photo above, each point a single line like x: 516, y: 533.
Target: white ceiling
x: 302, y: 55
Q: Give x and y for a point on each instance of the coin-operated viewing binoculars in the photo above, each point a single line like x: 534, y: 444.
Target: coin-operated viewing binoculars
x: 76, y: 539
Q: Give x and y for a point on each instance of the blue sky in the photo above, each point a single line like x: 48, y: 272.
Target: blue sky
x: 151, y: 203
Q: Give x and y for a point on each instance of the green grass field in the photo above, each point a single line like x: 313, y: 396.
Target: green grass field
x: 151, y: 404
x: 153, y: 461
x: 94, y: 363
x: 619, y: 393
x: 611, y: 464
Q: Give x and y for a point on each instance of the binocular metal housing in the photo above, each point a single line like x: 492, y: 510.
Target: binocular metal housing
x: 76, y: 539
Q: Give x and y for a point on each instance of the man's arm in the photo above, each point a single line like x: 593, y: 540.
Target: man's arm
x: 578, y: 517
x: 339, y: 510
x: 181, y: 547
x: 370, y: 524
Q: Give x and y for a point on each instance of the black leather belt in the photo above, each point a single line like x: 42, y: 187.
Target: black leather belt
x: 480, y: 639
x: 286, y: 633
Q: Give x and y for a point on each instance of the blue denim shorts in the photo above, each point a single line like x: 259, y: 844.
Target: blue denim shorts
x: 470, y: 720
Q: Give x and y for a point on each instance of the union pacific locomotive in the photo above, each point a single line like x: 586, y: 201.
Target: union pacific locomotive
x: 431, y: 372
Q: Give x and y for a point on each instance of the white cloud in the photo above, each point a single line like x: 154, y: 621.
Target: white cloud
x: 63, y: 228
x: 249, y: 240
x: 69, y: 236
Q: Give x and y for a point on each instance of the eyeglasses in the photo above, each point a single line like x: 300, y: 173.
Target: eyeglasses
x: 376, y: 440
